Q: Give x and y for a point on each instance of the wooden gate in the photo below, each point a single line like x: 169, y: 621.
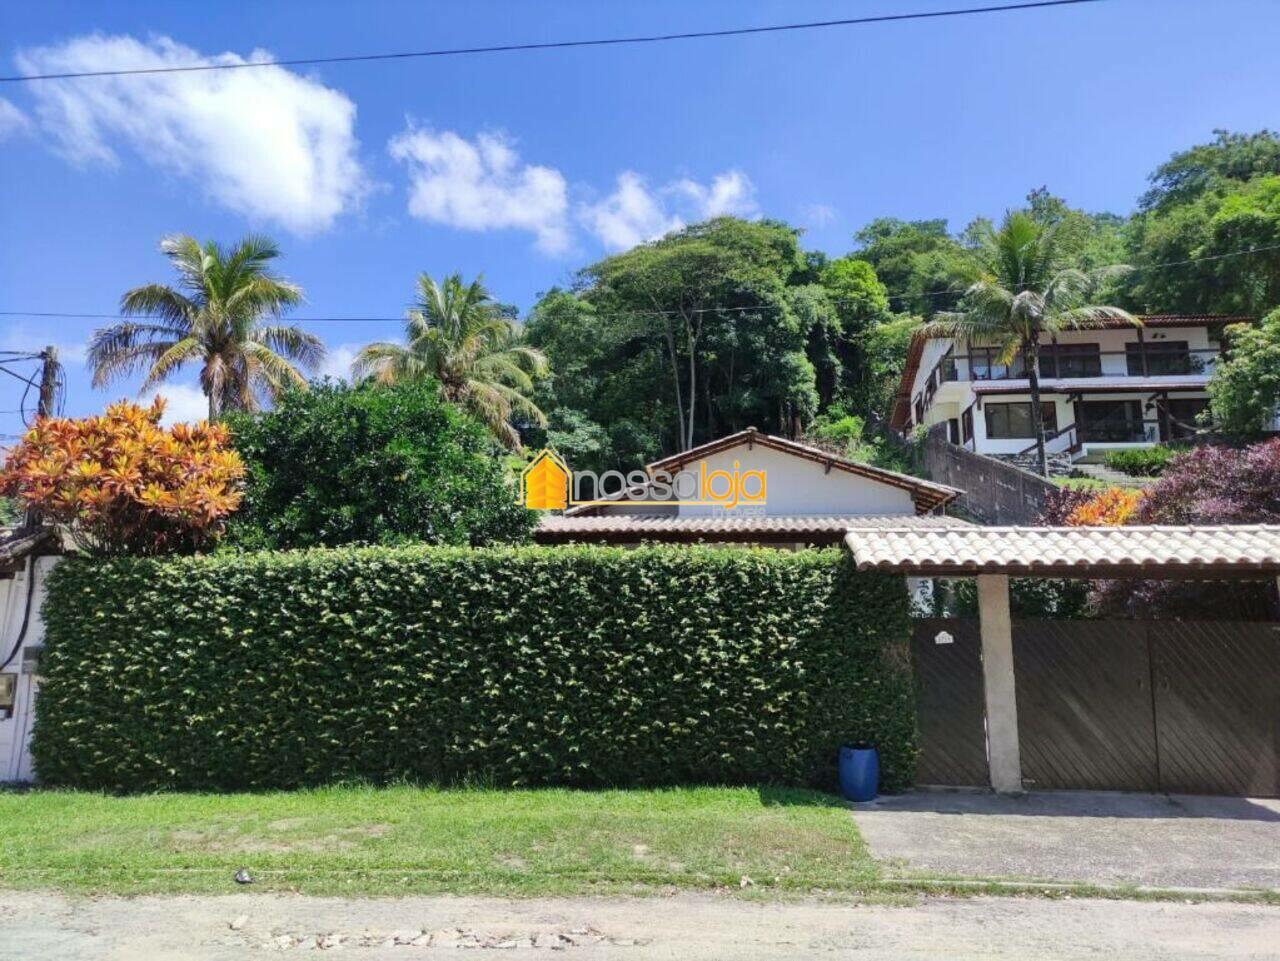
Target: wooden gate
x: 1176, y: 706
x: 1084, y: 705
x: 1217, y: 706
x: 949, y: 704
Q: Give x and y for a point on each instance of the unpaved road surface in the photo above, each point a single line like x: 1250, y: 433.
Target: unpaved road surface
x: 36, y: 927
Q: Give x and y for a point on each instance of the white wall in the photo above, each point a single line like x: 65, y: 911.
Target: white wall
x: 798, y: 486
x: 15, y: 731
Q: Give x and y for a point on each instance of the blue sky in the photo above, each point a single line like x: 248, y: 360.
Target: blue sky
x: 527, y: 166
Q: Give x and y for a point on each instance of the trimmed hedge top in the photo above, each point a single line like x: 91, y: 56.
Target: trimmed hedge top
x: 511, y: 666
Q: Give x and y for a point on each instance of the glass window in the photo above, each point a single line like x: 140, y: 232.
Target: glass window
x: 1111, y: 421
x: 1163, y: 357
x: 1071, y: 360
x: 1013, y: 421
x: 986, y: 365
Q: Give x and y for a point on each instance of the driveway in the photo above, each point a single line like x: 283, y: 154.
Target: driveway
x: 46, y: 927
x: 1094, y: 837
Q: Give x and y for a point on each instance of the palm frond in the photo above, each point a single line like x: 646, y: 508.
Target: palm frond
x: 170, y: 361
x: 292, y: 342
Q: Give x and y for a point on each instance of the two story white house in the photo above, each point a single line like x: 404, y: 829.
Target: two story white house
x: 1114, y: 385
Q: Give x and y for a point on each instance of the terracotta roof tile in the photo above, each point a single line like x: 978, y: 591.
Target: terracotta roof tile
x: 624, y: 529
x: 1072, y: 551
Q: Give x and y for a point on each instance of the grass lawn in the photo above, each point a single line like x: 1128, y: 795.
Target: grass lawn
x: 401, y: 840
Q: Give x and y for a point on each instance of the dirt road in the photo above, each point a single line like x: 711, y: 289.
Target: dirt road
x: 36, y: 927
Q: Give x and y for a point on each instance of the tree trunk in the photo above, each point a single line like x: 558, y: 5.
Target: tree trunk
x: 675, y: 376
x: 1037, y: 415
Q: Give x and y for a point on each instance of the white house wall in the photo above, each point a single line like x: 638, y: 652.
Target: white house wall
x: 798, y: 486
x: 15, y: 731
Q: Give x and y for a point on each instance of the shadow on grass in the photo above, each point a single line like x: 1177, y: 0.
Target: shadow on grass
x: 774, y: 796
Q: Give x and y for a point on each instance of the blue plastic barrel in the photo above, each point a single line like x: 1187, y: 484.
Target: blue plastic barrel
x: 859, y: 772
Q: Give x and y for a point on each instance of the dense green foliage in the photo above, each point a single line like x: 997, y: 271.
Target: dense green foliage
x: 510, y: 666
x: 371, y: 465
x: 1244, y: 391
x: 460, y: 338
x: 219, y: 316
x: 714, y: 328
x: 1140, y: 461
x: 1212, y: 200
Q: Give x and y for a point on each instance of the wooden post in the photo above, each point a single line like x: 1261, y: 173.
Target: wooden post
x: 1003, y: 755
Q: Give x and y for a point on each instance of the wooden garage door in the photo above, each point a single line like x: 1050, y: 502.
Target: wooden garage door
x: 1084, y: 705
x: 1217, y: 706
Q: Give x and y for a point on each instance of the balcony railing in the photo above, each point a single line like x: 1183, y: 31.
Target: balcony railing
x: 1158, y: 362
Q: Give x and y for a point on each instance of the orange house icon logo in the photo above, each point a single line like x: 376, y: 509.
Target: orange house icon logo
x: 544, y: 484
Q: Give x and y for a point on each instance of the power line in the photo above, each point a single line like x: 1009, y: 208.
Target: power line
x: 556, y: 44
x: 71, y: 315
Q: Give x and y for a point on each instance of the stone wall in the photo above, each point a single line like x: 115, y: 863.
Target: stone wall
x: 994, y: 492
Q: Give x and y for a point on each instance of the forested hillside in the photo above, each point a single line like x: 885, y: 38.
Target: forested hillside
x: 732, y: 323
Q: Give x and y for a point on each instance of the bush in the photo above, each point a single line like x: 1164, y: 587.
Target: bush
x: 512, y: 666
x: 121, y: 483
x: 1140, y: 461
x: 338, y: 465
x: 1206, y: 485
x: 1113, y: 507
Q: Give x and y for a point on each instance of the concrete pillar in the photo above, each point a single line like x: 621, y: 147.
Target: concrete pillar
x: 1003, y: 756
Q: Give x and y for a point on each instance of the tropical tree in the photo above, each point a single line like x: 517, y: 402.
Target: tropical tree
x: 1025, y: 289
x: 215, y: 317
x: 458, y: 335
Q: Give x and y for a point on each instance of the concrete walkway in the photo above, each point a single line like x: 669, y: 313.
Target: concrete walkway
x: 44, y: 927
x: 1093, y: 837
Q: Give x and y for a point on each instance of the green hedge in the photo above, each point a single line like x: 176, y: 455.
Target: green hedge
x: 1141, y: 461
x: 508, y: 666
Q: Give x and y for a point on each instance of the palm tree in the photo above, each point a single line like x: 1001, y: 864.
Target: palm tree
x: 457, y: 335
x: 1023, y: 290
x: 214, y: 317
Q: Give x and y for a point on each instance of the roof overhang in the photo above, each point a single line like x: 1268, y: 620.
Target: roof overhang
x: 631, y: 529
x: 1212, y: 553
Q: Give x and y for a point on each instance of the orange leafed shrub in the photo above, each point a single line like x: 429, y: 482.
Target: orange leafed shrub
x: 1114, y: 507
x: 124, y: 484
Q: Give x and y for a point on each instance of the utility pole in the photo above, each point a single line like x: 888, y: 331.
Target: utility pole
x: 44, y: 408
x: 48, y: 379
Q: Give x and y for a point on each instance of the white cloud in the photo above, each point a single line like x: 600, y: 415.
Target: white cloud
x: 731, y: 192
x: 337, y: 362
x: 183, y: 404
x: 818, y: 215
x: 266, y: 142
x: 634, y: 214
x: 482, y: 184
x: 12, y: 120
x: 631, y: 215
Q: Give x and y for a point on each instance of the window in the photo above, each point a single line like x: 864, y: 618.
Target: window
x: 953, y: 431
x: 1071, y: 360
x: 1111, y: 421
x: 986, y: 366
x: 1162, y: 357
x: 1013, y: 421
x: 1182, y: 414
x: 966, y: 425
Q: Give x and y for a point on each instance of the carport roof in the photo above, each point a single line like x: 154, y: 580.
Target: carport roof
x: 633, y: 529
x: 1156, y: 552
